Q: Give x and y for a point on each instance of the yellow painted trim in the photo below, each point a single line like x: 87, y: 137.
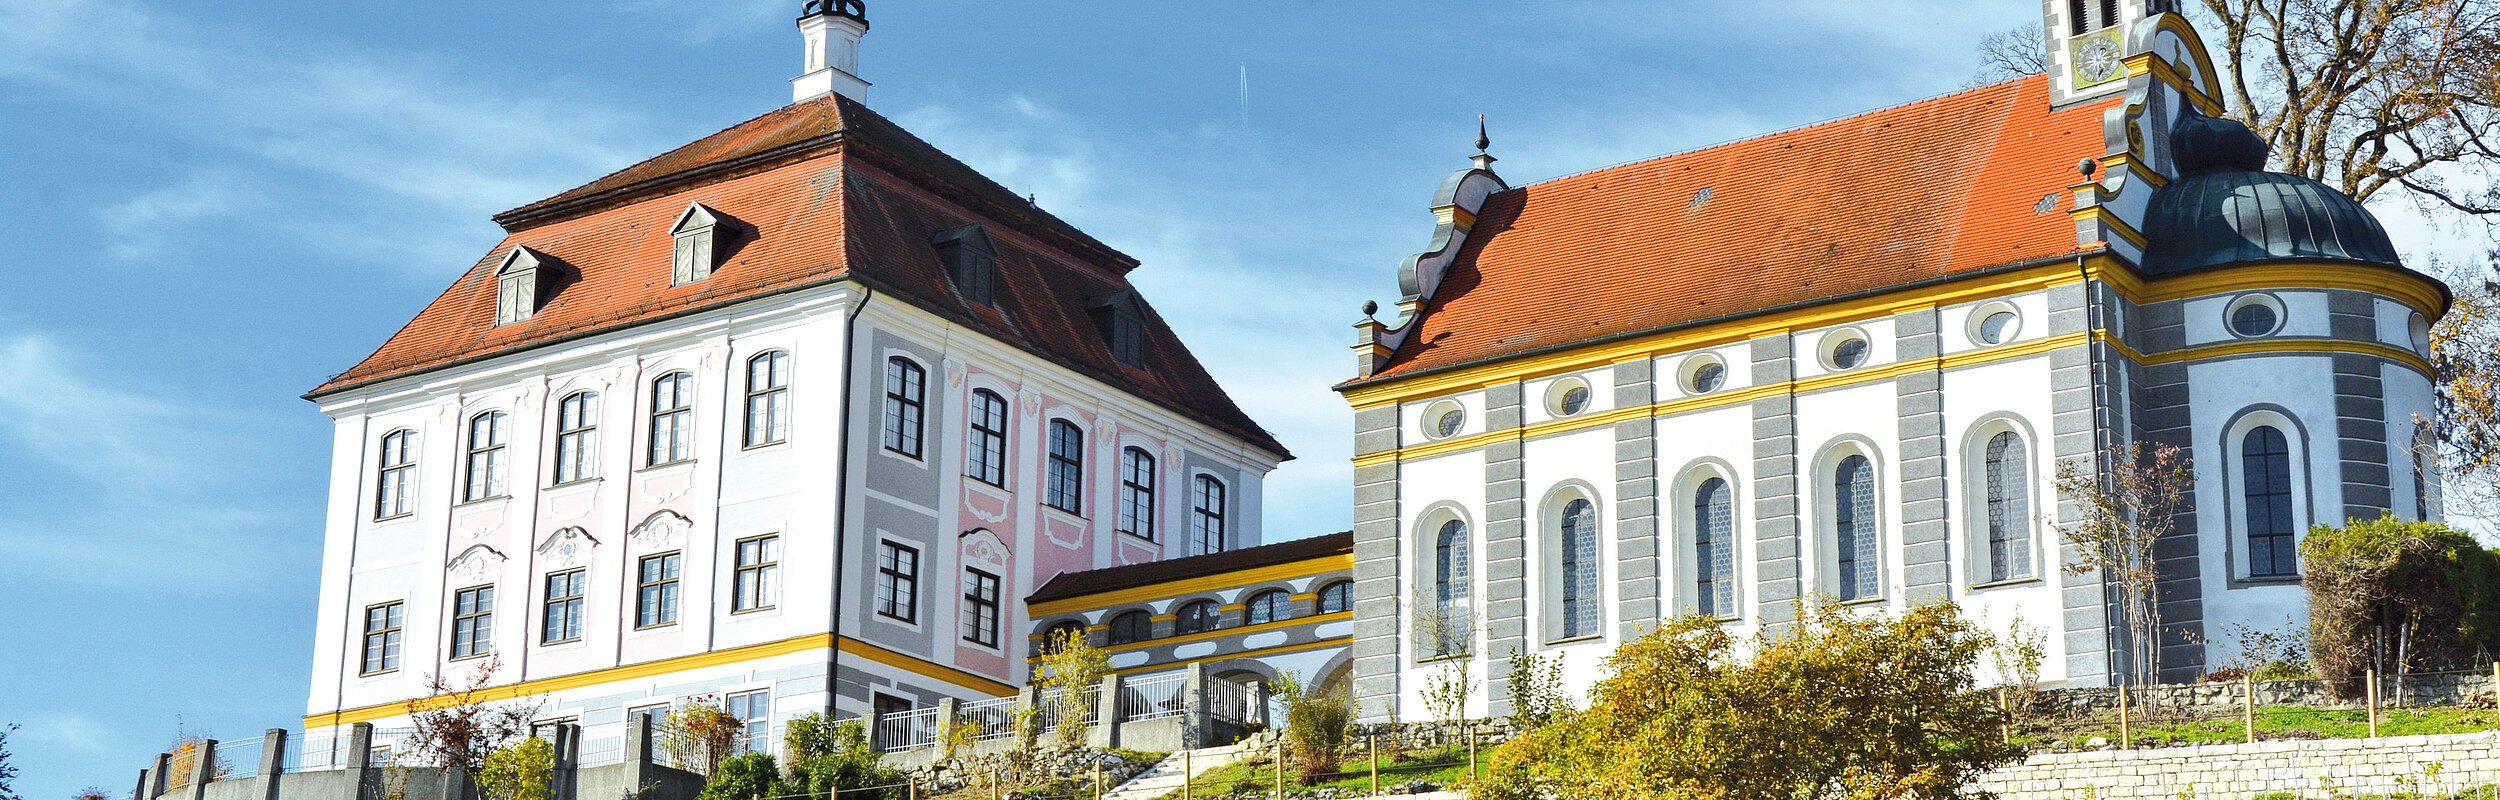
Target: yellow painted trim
x: 2297, y: 347
x: 925, y: 669
x: 1219, y: 633
x: 1342, y: 641
x: 2135, y: 168
x: 1220, y: 580
x: 2161, y: 70
x: 716, y: 658
x: 1462, y: 218
x: 2101, y: 214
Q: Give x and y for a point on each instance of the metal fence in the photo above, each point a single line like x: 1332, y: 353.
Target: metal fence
x: 904, y: 731
x: 239, y: 759
x: 994, y: 718
x: 1228, y: 701
x: 391, y: 745
x: 1153, y: 698
x: 1080, y: 700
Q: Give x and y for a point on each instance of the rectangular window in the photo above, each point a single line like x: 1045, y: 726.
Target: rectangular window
x: 1065, y: 489
x: 473, y: 622
x: 395, y: 485
x: 986, y: 459
x: 905, y: 398
x: 672, y: 419
x: 1137, y: 493
x: 759, y: 560
x: 563, y: 621
x: 655, y: 597
x: 1206, y: 517
x: 546, y: 730
x: 980, y: 608
x: 898, y: 582
x: 768, y: 398
x: 894, y: 728
x: 382, y: 624
x: 485, y: 463
x: 754, y: 712
x: 577, y: 437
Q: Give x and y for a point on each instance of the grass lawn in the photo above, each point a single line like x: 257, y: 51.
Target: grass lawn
x: 2286, y: 722
x: 1257, y: 777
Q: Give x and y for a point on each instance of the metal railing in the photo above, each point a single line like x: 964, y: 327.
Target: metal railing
x: 1153, y: 698
x: 239, y: 759
x: 905, y: 731
x: 390, y: 744
x: 1048, y: 705
x: 1228, y: 701
x: 994, y: 718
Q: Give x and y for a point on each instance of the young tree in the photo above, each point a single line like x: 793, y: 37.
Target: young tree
x: 2396, y: 597
x: 1071, y: 671
x: 2012, y: 54
x: 1318, y: 721
x: 1536, y: 691
x: 1846, y: 705
x: 2462, y: 454
x: 2126, y: 505
x: 456, y: 724
x: 700, y: 735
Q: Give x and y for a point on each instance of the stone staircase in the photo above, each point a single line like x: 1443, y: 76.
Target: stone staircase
x: 1165, y: 777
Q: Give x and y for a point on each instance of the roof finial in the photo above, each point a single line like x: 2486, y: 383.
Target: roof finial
x: 1484, y: 160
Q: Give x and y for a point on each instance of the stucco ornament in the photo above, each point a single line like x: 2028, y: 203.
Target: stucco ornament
x: 1030, y: 400
x: 476, y: 563
x: 954, y: 372
x: 566, y: 548
x: 982, y: 547
x: 663, y: 529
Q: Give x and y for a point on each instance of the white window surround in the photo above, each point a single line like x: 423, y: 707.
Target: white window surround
x: 1827, y: 350
x: 1821, y: 492
x: 1431, y: 425
x: 1972, y: 476
x: 1558, y: 396
x: 1550, y: 555
x: 1423, y: 578
x: 2235, y: 497
x: 2231, y: 311
x: 1683, y: 596
x: 1975, y: 325
x: 1688, y: 374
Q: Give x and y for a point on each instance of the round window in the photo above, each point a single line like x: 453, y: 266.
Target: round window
x: 1574, y: 400
x: 1707, y: 378
x: 1998, y: 326
x: 1446, y: 425
x: 1849, y: 353
x: 2420, y: 331
x: 2255, y: 315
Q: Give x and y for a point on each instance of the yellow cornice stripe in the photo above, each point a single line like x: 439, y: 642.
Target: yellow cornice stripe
x: 2161, y: 70
x: 925, y: 668
x: 1176, y: 588
x: 800, y: 644
x: 2311, y: 347
x: 2134, y: 167
x: 1341, y: 641
x: 2102, y: 215
x: 2414, y: 289
x: 1219, y: 633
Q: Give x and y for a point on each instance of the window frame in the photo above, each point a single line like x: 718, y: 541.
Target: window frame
x: 751, y: 581
x: 394, y: 483
x: 678, y: 419
x: 659, y: 601
x: 897, y: 582
x: 473, y: 622
x: 1197, y: 616
x: 1051, y: 635
x: 392, y: 634
x: 1063, y: 480
x: 1714, y: 552
x: 985, y: 455
x: 982, y: 590
x: 2285, y: 541
x: 570, y: 605
x: 754, y: 731
x: 1452, y: 574
x: 2005, y: 518
x: 904, y: 421
x: 1854, y: 529
x: 1208, y: 525
x: 1137, y: 494
x: 1116, y: 627
x: 482, y: 464
x: 1337, y: 587
x: 1575, y: 536
x: 1279, y: 605
x: 771, y: 397
x: 575, y: 457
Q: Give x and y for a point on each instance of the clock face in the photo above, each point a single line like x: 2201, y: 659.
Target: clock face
x: 2097, y: 57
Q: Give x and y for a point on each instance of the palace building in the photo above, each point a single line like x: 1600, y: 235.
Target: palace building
x: 792, y: 418
x: 1844, y: 361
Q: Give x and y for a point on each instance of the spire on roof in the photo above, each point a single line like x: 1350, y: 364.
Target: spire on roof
x: 832, y: 29
x: 1483, y: 159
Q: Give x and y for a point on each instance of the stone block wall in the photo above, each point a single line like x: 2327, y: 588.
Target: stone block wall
x: 2431, y: 765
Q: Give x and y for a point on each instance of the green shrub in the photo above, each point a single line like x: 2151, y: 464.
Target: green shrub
x: 1318, y: 721
x: 522, y: 770
x: 838, y: 759
x: 2393, y: 595
x: 745, y: 777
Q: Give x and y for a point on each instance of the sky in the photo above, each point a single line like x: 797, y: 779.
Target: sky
x: 215, y: 206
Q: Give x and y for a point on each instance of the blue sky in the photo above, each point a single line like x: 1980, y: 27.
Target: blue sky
x: 217, y: 205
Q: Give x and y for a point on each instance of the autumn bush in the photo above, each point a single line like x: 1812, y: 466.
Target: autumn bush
x: 1845, y: 705
x: 2393, y: 595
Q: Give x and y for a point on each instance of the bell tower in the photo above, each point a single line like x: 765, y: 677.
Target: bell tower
x: 831, y: 30
x: 2087, y: 44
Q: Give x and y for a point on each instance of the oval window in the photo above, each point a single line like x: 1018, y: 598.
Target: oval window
x: 2254, y: 318
x: 1448, y: 423
x: 1708, y: 378
x: 1849, y: 353
x: 1998, y: 327
x: 1575, y: 400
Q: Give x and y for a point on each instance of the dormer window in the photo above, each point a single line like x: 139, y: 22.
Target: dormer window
x: 1121, y: 319
x: 519, y: 285
x: 697, y: 249
x: 971, y: 262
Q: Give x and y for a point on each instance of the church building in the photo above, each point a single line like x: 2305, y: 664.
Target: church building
x: 790, y: 419
x: 1845, y: 361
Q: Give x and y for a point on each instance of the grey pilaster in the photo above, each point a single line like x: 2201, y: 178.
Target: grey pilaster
x: 2076, y: 432
x: 1377, y: 604
x: 1638, y: 567
x: 2157, y: 403
x: 1776, y: 520
x: 1504, y: 618
x: 2360, y: 410
x: 1926, y: 565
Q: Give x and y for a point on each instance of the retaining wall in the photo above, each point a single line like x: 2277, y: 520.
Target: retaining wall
x: 2317, y: 768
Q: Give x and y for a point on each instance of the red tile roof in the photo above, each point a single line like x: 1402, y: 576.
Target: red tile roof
x: 1898, y: 196
x: 825, y: 190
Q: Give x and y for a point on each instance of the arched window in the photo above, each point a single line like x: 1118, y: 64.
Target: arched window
x: 1336, y: 597
x: 577, y: 437
x: 768, y: 398
x: 2007, y: 472
x: 2421, y: 472
x: 1206, y: 516
x: 906, y: 398
x: 395, y: 483
x: 2266, y: 473
x: 1057, y: 636
x: 1450, y: 568
x: 1137, y: 493
x: 1197, y: 616
x: 1853, y: 528
x: 1578, y: 541
x: 1065, y: 489
x: 672, y: 419
x: 1267, y: 606
x: 1714, y: 550
x: 485, y: 461
x: 1131, y: 626
x: 986, y: 459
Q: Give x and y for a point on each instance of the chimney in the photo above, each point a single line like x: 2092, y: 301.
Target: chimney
x: 832, y: 29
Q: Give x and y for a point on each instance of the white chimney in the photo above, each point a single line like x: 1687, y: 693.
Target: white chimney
x: 831, y: 29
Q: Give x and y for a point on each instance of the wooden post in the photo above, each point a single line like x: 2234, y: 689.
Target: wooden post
x: 911, y: 790
x: 1373, y: 741
x: 2248, y: 705
x: 2369, y: 696
x: 1189, y: 778
x: 2005, y: 707
x: 1097, y: 780
x: 1471, y: 755
x: 2495, y: 684
x: 2126, y: 737
x: 1280, y: 767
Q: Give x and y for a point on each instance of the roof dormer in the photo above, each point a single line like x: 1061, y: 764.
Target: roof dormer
x: 971, y: 261
x: 520, y: 285
x: 1121, y: 319
x: 697, y: 249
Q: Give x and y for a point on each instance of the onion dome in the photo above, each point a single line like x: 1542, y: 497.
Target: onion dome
x: 2226, y: 209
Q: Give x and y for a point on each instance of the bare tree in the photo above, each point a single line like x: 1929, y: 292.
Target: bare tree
x: 8, y: 772
x: 457, y: 726
x: 2012, y: 54
x: 2126, y: 505
x: 2463, y: 450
